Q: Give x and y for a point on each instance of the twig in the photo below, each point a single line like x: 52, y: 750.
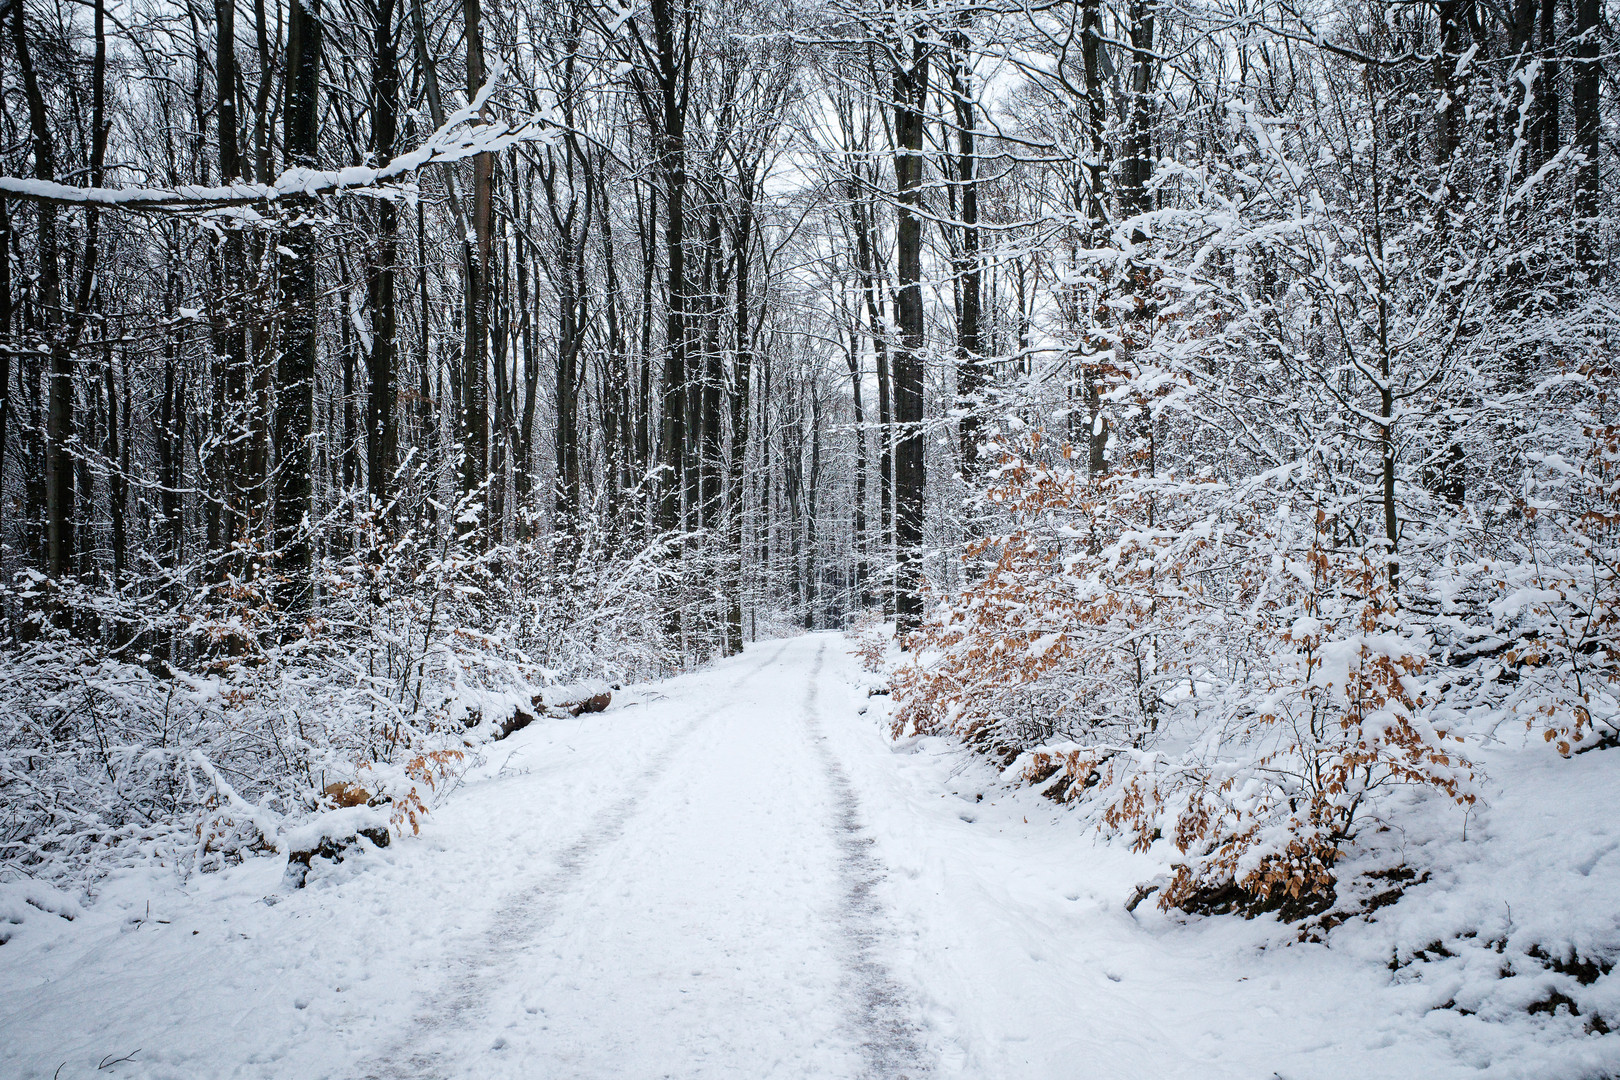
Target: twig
x: 110, y: 1061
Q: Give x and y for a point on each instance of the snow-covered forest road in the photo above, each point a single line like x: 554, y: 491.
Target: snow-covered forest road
x: 714, y: 915
x: 732, y: 874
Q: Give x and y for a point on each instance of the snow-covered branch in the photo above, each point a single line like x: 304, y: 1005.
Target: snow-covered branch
x: 461, y: 137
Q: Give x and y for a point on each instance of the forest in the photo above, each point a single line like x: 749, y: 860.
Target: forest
x: 1201, y: 409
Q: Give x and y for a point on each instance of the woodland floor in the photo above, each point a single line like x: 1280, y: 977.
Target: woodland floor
x: 730, y: 874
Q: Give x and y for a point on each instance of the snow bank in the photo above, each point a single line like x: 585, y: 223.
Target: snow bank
x: 28, y: 898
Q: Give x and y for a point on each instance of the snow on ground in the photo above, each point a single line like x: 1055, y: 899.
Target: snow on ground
x: 735, y: 874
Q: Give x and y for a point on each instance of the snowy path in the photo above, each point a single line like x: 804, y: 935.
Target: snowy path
x: 711, y: 920
x: 729, y: 875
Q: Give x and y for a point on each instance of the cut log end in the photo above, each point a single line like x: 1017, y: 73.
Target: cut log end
x: 594, y: 703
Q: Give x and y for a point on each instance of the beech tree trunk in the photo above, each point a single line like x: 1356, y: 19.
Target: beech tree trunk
x: 58, y: 472
x: 910, y: 99
x: 382, y: 392
x: 475, y: 380
x: 295, y: 369
x: 1588, y: 135
x: 971, y: 375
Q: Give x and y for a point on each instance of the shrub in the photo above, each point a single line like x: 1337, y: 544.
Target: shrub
x: 1218, y: 666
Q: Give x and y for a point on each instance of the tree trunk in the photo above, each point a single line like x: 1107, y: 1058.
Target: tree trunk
x: 58, y: 472
x: 1584, y: 110
x: 856, y: 376
x: 742, y: 378
x: 5, y: 335
x: 1546, y: 134
x: 475, y: 382
x: 618, y: 441
x: 382, y: 425
x: 910, y: 99
x: 295, y: 369
x: 1136, y: 165
x: 971, y: 375
x: 647, y: 229
x: 812, y: 490
x: 238, y: 471
x: 117, y: 484
x: 523, y: 443
x: 1096, y: 116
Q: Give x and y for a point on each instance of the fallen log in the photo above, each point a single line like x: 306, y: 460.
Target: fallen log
x: 558, y: 701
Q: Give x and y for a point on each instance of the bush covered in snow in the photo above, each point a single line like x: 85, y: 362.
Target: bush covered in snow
x: 200, y: 726
x: 1248, y: 665
x: 1226, y: 665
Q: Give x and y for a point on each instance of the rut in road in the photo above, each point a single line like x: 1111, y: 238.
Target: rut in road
x: 523, y: 916
x: 882, y: 1010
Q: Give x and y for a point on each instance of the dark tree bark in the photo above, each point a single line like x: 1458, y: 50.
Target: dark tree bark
x: 1091, y: 49
x: 523, y: 256
x: 661, y: 78
x: 673, y: 437
x: 118, y: 469
x: 349, y: 459
x: 1588, y: 134
x: 617, y: 434
x: 1093, y: 202
x: 382, y: 424
x: 710, y: 448
x: 741, y: 386
x: 910, y: 81
x: 238, y: 468
x: 1449, y: 111
x: 432, y: 373
x: 792, y: 458
x: 5, y: 336
x: 570, y: 199
x: 647, y: 234
x: 662, y: 89
x: 812, y: 490
x: 971, y: 375
x: 1546, y: 129
x: 852, y: 355
x: 475, y: 361
x: 171, y: 433
x: 58, y: 488
x: 1136, y: 161
x: 295, y: 368
x: 872, y: 294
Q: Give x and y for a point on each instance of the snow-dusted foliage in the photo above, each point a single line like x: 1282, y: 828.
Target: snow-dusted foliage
x: 1188, y: 665
x: 1224, y: 664
x: 1340, y: 501
x: 210, y: 728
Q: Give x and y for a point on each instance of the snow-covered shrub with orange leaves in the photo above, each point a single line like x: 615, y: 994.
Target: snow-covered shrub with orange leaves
x: 1347, y: 509
x: 1219, y: 665
x: 1065, y: 633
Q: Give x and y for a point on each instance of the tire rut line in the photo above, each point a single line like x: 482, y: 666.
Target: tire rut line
x: 882, y: 1011
x: 521, y: 917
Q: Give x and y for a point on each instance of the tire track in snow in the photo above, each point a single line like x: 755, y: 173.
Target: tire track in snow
x: 883, y: 1013
x: 520, y: 919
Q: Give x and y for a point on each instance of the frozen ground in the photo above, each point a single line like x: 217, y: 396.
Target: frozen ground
x: 733, y: 874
